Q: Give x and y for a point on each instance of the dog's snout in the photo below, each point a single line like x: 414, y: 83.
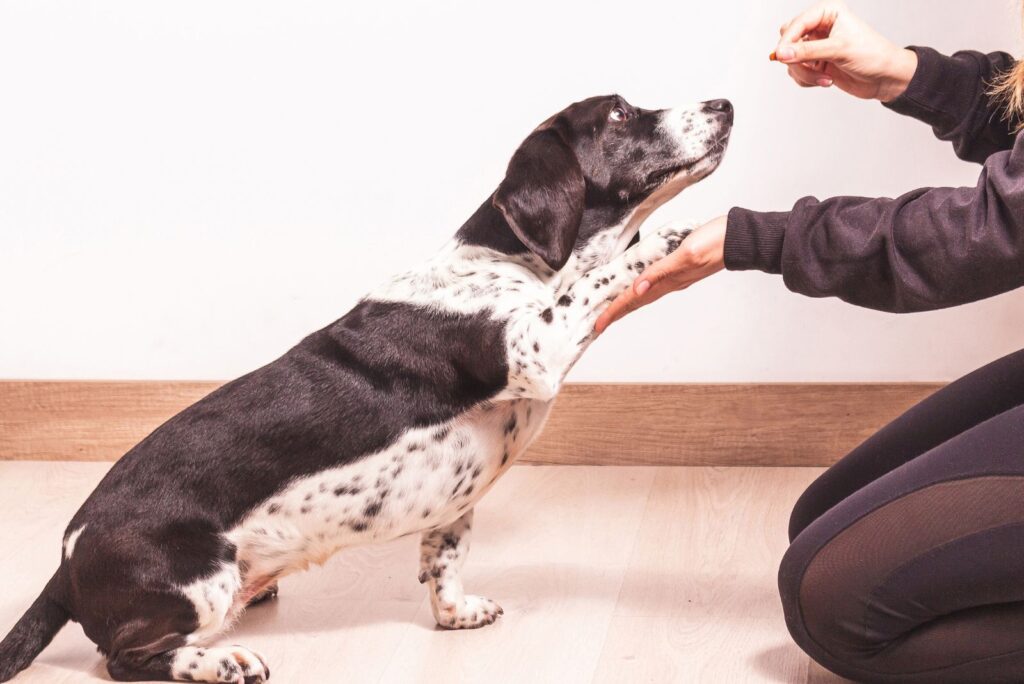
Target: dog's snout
x: 719, y: 106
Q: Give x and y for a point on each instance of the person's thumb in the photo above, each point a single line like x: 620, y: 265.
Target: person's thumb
x: 810, y: 50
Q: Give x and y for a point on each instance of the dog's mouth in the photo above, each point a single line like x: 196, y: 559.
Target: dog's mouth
x: 714, y: 153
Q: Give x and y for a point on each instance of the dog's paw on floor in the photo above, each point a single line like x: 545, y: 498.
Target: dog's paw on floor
x: 220, y: 665
x: 469, y: 613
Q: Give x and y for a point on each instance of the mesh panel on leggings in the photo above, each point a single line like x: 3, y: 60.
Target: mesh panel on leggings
x: 858, y: 624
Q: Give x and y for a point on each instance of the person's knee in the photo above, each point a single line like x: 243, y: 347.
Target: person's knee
x: 816, y: 628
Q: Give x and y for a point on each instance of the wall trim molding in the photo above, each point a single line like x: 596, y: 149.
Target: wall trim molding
x: 761, y: 424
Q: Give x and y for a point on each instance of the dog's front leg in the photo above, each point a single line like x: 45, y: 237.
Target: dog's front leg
x: 442, y: 552
x: 546, y: 346
x: 588, y: 297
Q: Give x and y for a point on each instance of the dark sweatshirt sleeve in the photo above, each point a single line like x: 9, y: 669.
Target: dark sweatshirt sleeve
x: 950, y: 94
x: 929, y: 249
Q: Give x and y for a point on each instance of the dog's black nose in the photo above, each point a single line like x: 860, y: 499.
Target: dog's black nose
x: 720, y: 106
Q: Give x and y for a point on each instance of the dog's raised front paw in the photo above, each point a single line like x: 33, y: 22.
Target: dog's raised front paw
x: 661, y: 243
x: 471, y: 612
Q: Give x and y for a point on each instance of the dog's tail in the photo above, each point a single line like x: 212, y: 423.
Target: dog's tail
x: 34, y: 631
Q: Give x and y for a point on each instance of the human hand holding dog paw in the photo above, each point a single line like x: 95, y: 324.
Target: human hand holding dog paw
x: 701, y: 254
x: 828, y: 44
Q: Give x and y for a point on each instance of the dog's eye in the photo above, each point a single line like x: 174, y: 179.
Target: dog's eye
x: 617, y: 114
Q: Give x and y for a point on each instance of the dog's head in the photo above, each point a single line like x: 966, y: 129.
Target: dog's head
x: 603, y: 164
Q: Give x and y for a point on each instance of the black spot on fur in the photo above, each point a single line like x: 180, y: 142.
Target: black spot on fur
x: 442, y: 434
x: 536, y: 346
x: 564, y: 300
x: 342, y: 490
x: 359, y: 525
x: 547, y: 316
x: 273, y: 509
x: 373, y: 508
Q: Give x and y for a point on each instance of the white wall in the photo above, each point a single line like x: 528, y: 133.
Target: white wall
x: 187, y: 188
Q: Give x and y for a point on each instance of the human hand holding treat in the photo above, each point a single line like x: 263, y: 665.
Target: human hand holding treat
x: 829, y: 45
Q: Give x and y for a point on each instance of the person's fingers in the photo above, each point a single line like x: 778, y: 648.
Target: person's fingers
x: 637, y: 295
x: 655, y: 273
x: 827, y: 49
x: 626, y: 303
x: 651, y: 285
x: 839, y: 78
x: 623, y: 304
x: 630, y: 300
x: 809, y: 77
x: 816, y: 18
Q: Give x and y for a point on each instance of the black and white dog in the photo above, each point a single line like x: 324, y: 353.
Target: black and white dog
x: 392, y: 420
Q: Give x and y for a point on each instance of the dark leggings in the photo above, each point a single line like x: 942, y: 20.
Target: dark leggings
x: 907, y: 556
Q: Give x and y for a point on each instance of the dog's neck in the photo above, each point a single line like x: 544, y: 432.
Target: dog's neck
x: 605, y: 232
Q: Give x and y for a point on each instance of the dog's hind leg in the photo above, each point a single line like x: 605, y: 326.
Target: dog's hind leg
x: 162, y: 643
x: 162, y: 630
x: 227, y: 664
x: 443, y: 550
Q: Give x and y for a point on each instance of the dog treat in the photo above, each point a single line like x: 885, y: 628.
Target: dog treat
x: 772, y: 57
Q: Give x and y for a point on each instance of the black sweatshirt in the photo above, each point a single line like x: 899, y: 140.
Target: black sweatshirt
x: 930, y: 248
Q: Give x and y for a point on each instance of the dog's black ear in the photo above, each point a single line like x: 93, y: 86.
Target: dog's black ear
x: 542, y: 197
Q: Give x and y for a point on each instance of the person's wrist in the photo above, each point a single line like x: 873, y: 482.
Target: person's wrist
x: 903, y: 66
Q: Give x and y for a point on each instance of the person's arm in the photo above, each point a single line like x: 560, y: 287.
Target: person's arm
x: 951, y: 94
x: 929, y: 249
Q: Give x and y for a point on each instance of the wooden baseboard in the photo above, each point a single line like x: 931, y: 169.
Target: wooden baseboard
x: 600, y: 424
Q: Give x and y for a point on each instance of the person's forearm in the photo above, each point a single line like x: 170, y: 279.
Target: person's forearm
x: 951, y: 94
x: 929, y: 249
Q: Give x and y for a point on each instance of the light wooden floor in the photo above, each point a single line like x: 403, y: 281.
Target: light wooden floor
x: 606, y: 574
